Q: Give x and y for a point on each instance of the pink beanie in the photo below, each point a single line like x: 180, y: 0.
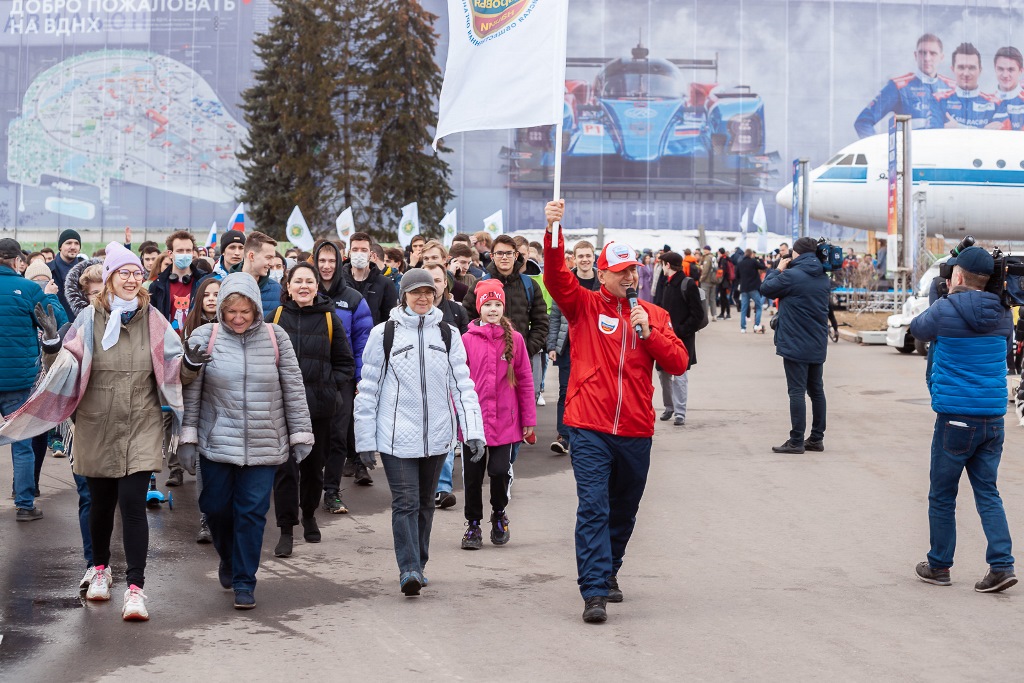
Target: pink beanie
x: 118, y: 257
x: 489, y: 290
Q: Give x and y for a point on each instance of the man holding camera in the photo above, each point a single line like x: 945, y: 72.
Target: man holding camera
x: 968, y: 330
x: 801, y: 338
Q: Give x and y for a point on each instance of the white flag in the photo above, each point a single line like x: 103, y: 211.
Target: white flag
x: 761, y: 223
x: 346, y: 225
x: 450, y: 224
x: 298, y: 232
x: 493, y: 224
x: 408, y: 224
x: 744, y: 226
x: 506, y: 65
x: 211, y: 239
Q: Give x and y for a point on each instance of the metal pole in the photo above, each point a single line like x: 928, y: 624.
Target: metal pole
x: 805, y: 207
x: 908, y: 197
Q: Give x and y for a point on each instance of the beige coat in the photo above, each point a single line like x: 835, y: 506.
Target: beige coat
x: 118, y: 424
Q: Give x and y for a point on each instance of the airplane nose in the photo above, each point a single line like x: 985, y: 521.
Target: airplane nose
x: 784, y: 197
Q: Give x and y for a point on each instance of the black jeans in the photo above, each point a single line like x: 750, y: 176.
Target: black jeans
x: 805, y: 378
x: 297, y: 486
x: 39, y: 447
x: 342, y: 439
x: 128, y: 493
x: 497, y: 462
x: 724, y: 299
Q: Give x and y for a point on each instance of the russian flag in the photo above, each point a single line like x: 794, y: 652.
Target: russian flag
x: 238, y: 220
x: 211, y: 239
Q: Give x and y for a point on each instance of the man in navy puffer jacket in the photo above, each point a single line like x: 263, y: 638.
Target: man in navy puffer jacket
x: 968, y: 331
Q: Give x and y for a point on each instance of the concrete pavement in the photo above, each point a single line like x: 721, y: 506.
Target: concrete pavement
x: 744, y: 564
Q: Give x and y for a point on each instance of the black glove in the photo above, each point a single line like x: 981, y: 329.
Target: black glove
x: 476, y: 449
x: 369, y: 459
x: 195, y: 356
x: 47, y: 322
x: 187, y: 455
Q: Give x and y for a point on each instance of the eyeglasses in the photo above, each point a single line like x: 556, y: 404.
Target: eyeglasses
x: 503, y: 254
x: 134, y: 274
x: 423, y: 293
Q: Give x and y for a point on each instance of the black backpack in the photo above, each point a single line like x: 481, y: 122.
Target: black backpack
x: 704, y: 319
x: 389, y: 341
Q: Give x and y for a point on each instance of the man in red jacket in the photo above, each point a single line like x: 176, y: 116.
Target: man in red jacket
x: 608, y: 409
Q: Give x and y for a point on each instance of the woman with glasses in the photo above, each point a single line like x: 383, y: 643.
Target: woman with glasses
x: 125, y: 363
x: 414, y: 397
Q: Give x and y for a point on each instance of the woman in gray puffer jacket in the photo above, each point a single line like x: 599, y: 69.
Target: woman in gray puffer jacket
x: 244, y: 414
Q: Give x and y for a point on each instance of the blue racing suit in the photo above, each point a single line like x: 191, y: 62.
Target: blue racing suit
x: 912, y: 94
x: 1010, y: 110
x: 970, y: 108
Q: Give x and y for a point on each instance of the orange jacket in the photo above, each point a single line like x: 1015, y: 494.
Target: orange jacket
x: 610, y: 387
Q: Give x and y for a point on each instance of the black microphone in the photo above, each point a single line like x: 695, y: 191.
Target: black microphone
x: 631, y: 297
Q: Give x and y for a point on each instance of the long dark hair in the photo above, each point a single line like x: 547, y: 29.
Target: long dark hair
x: 196, y: 317
x: 285, y: 297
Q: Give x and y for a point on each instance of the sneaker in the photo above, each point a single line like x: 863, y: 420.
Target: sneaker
x: 58, y: 449
x: 788, y: 447
x: 445, y: 499
x: 540, y: 400
x: 284, y: 545
x: 310, y: 530
x: 362, y: 475
x: 936, y: 577
x: 99, y: 588
x: 595, y: 610
x: 679, y: 421
x: 333, y: 504
x: 759, y: 329
x: 28, y: 514
x: 743, y: 330
x: 411, y: 583
x: 134, y: 605
x: 614, y: 593
x: 994, y: 581
x: 667, y: 415
x: 499, y: 528
x: 349, y: 468
x: 816, y: 445
x: 204, y: 535
x: 175, y: 478
x: 225, y: 575
x: 245, y: 600
x: 560, y: 446
x: 86, y: 581
x: 474, y: 538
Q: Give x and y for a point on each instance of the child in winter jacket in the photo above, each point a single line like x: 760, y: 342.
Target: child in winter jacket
x: 501, y: 372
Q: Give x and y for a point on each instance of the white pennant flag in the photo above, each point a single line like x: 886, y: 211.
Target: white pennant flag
x: 493, y: 224
x: 506, y: 65
x: 744, y: 226
x: 761, y: 223
x: 211, y: 239
x: 345, y: 224
x: 450, y: 224
x: 298, y: 232
x: 408, y: 224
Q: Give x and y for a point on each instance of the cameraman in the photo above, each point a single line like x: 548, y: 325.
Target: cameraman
x: 801, y: 338
x: 968, y: 330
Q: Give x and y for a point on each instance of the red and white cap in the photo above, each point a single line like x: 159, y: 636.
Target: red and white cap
x: 617, y: 256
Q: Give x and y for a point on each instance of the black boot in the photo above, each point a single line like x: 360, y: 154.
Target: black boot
x: 310, y: 530
x: 284, y: 546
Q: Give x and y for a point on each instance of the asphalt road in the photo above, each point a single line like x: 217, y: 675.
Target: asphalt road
x: 744, y: 564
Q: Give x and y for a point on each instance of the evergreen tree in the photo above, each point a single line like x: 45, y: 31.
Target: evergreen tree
x: 402, y: 90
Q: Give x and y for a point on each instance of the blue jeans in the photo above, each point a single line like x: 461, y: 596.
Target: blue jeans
x: 235, y: 500
x: 611, y: 473
x: 21, y: 453
x: 84, y: 505
x: 444, y: 484
x: 976, y: 444
x: 564, y: 368
x: 805, y: 378
x: 745, y: 298
x: 413, y: 482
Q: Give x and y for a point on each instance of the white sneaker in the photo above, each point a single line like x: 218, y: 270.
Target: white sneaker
x: 540, y: 400
x: 759, y: 329
x: 99, y: 589
x: 87, y: 579
x: 134, y: 605
x: 743, y: 330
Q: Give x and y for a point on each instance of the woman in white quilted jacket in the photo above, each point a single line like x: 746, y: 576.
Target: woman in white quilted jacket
x: 414, y: 398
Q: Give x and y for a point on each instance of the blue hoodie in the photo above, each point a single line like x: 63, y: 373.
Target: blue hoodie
x: 968, y: 331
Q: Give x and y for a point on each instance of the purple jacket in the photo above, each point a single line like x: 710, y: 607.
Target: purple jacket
x: 506, y: 409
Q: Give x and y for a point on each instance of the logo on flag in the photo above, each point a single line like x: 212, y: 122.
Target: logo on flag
x: 488, y: 17
x: 408, y: 228
x: 294, y: 231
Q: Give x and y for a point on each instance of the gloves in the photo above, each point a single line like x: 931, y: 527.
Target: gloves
x: 300, y: 451
x: 195, y: 356
x: 369, y: 459
x: 47, y: 321
x: 476, y: 449
x: 187, y: 455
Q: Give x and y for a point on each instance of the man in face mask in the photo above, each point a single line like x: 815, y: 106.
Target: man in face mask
x: 172, y: 291
x: 379, y: 291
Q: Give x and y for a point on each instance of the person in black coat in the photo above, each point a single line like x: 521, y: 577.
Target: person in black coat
x: 748, y: 274
x: 681, y: 298
x: 325, y: 358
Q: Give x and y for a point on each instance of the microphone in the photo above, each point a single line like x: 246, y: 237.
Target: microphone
x: 631, y: 297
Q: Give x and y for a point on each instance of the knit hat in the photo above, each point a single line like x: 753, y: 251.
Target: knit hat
x: 117, y: 257
x: 489, y: 290
x: 68, y: 234
x: 231, y: 237
x: 38, y: 269
x: 805, y: 245
x: 414, y: 278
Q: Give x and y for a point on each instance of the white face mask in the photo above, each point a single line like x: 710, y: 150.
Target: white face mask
x: 359, y: 259
x: 276, y: 275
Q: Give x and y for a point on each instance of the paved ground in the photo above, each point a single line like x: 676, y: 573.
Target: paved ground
x: 744, y: 564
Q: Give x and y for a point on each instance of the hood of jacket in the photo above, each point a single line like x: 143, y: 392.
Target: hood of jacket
x: 809, y: 264
x: 338, y: 281
x: 412, y: 320
x: 73, y: 288
x: 244, y: 284
x: 982, y: 311
x: 321, y: 304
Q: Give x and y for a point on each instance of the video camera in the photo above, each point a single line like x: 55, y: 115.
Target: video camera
x: 831, y: 257
x: 1006, y: 281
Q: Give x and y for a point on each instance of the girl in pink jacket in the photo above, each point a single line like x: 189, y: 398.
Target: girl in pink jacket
x: 501, y: 372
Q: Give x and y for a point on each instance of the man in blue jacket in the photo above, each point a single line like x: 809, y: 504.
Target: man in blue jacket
x: 968, y: 331
x: 801, y: 338
x: 19, y: 347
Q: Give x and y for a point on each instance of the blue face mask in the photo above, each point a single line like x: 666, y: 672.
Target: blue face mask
x: 182, y: 261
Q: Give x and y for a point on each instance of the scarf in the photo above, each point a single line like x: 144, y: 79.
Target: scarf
x: 57, y: 397
x: 118, y: 307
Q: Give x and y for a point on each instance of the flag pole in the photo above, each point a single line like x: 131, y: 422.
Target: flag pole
x: 558, y: 177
